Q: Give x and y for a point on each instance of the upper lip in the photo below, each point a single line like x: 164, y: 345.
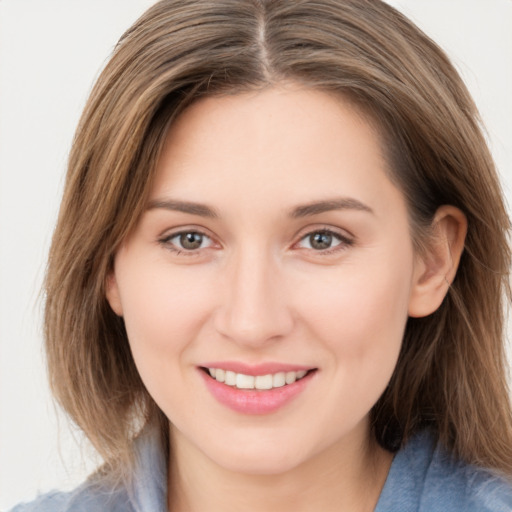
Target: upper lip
x: 270, y: 367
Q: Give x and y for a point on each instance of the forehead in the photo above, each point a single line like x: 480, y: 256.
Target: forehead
x: 283, y: 144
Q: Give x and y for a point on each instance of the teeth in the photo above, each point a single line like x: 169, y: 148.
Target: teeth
x: 279, y: 380
x: 230, y: 379
x: 290, y: 377
x: 263, y: 382
x: 242, y: 381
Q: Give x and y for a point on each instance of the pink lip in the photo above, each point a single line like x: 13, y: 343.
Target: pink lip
x: 255, y: 369
x: 255, y: 401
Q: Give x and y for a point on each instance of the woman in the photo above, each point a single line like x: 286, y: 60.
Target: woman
x: 277, y: 277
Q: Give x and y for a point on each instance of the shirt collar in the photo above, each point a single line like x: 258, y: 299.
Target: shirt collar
x: 148, y: 492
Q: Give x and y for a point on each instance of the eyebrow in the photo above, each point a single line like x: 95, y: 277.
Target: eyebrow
x: 183, y: 206
x: 316, y: 207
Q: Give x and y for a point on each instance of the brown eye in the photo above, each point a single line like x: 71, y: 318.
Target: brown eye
x: 320, y: 240
x: 324, y: 241
x: 190, y: 241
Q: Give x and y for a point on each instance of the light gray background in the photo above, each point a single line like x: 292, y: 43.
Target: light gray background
x: 50, y: 53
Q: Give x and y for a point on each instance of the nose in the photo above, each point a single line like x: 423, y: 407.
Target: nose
x: 253, y: 310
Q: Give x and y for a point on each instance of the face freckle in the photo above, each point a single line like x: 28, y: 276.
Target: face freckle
x: 274, y: 241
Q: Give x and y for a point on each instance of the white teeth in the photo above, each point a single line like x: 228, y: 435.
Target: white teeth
x: 230, y: 379
x: 244, y: 381
x: 262, y: 382
x: 290, y: 377
x: 279, y: 380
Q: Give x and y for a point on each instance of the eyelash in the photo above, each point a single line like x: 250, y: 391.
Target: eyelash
x: 343, y: 242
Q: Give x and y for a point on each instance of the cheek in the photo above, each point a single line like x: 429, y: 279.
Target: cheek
x: 161, y: 301
x: 360, y: 313
x: 361, y: 325
x: 163, y: 310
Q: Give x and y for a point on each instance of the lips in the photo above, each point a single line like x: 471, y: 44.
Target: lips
x: 260, y: 389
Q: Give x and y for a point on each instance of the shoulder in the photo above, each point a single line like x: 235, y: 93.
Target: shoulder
x: 464, y: 487
x: 145, y: 490
x: 89, y: 497
x: 424, y: 477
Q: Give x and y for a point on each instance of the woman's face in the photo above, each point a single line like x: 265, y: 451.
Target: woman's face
x: 273, y: 244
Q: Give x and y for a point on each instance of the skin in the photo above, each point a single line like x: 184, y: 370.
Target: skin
x: 257, y: 289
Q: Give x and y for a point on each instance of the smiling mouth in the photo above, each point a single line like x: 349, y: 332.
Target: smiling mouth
x: 256, y: 382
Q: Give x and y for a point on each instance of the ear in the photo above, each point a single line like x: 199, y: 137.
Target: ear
x: 435, y: 269
x: 112, y: 293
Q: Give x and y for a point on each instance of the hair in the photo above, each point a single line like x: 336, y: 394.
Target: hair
x: 451, y: 372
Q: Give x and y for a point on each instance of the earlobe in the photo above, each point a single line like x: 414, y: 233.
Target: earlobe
x: 435, y: 269
x: 112, y: 294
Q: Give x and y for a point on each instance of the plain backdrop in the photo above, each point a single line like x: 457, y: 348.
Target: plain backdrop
x: 51, y: 51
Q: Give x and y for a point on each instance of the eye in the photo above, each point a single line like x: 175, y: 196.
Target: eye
x: 187, y: 241
x: 324, y: 240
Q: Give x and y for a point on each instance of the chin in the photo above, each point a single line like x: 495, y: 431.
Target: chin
x: 258, y: 464
x: 258, y: 456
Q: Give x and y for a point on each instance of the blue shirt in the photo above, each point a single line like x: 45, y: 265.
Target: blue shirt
x: 422, y: 478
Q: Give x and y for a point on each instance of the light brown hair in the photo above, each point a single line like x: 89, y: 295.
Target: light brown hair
x: 451, y: 373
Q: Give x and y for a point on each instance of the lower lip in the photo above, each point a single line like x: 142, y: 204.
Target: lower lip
x: 254, y: 401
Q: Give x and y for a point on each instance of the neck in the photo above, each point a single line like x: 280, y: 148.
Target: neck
x: 347, y: 477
